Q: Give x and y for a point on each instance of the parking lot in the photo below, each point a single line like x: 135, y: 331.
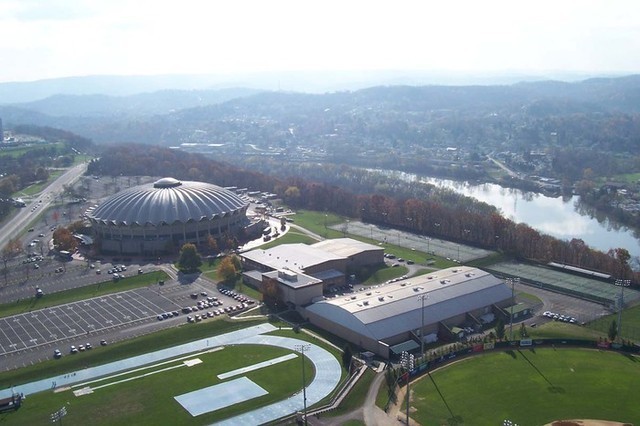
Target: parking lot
x: 81, y: 319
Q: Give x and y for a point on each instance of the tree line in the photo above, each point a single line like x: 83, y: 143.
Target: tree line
x: 426, y: 211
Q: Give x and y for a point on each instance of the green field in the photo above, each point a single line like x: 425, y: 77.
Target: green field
x: 530, y: 387
x: 149, y: 400
x: 630, y: 323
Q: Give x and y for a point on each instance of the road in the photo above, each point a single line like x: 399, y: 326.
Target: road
x: 17, y: 224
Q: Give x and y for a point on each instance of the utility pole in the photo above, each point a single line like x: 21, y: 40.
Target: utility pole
x: 512, y: 281
x: 301, y: 349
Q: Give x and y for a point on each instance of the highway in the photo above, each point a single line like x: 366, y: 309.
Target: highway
x: 16, y: 225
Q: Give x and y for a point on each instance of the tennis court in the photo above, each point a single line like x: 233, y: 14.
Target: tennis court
x: 573, y: 284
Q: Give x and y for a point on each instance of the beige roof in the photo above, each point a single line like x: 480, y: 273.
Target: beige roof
x: 345, y: 247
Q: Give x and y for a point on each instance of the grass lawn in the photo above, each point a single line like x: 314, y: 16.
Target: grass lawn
x: 561, y: 330
x: 293, y: 236
x: 21, y: 150
x: 319, y: 222
x: 356, y: 397
x: 87, y: 292
x: 38, y: 187
x: 630, y: 323
x: 530, y: 387
x: 150, y: 400
x: 384, y: 274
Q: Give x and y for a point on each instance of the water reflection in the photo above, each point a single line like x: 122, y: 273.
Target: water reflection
x: 565, y: 218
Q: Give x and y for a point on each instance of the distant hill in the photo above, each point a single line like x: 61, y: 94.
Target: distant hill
x: 160, y: 102
x: 395, y: 115
x: 290, y: 81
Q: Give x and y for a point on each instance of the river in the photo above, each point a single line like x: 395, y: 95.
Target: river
x: 560, y: 217
x: 556, y: 216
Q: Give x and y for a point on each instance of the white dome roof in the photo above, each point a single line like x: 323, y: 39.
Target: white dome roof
x: 168, y: 200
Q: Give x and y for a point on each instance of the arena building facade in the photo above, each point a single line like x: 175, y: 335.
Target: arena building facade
x: 159, y: 217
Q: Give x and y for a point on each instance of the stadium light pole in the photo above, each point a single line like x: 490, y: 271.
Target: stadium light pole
x: 422, y: 297
x: 407, y: 361
x: 622, y: 284
x: 301, y: 349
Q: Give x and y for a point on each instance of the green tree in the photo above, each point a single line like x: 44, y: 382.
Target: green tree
x: 347, y: 355
x: 523, y: 331
x: 500, y: 329
x: 190, y: 259
x: 613, y: 330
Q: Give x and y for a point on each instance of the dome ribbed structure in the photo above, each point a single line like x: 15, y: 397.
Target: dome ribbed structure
x: 167, y: 201
x: 160, y: 216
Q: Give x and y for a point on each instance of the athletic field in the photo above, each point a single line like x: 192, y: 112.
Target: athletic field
x: 530, y: 387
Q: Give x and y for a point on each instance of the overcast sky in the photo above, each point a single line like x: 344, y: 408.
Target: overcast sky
x: 55, y: 38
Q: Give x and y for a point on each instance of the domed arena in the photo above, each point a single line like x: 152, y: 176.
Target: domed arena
x: 159, y: 217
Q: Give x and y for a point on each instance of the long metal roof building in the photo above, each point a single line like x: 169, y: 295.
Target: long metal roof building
x: 389, y: 313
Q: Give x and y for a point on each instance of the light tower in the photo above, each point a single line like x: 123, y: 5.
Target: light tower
x: 622, y: 284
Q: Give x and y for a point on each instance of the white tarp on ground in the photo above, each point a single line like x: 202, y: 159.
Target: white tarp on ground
x: 219, y: 396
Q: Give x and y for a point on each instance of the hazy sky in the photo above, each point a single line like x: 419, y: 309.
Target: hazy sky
x: 55, y: 38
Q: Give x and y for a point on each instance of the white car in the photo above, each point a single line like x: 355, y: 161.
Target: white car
x: 73, y: 349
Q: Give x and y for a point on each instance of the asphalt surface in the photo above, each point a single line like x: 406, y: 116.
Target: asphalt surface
x: 19, y: 222
x: 32, y: 337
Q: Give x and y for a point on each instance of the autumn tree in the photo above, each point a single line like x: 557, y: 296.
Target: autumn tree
x: 63, y: 239
x: 212, y: 245
x: 227, y: 270
x: 271, y: 293
x: 10, y: 251
x: 292, y: 195
x: 190, y: 259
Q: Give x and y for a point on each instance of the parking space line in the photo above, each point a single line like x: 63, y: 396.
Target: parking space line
x: 126, y: 310
x: 53, y: 329
x: 31, y: 318
x: 16, y: 321
x: 72, y: 331
x: 117, y: 307
x: 105, y: 311
x: 97, y: 311
x: 5, y: 334
x: 60, y: 322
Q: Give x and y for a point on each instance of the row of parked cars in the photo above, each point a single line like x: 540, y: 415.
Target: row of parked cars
x: 80, y: 348
x: 235, y: 296
x: 560, y: 317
